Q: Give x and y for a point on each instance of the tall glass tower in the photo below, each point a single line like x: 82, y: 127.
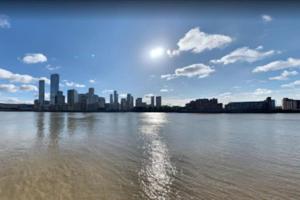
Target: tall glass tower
x: 41, y: 92
x: 54, y: 87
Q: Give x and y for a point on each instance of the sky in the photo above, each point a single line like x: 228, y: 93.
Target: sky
x: 180, y: 52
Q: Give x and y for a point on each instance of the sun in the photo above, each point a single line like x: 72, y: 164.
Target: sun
x: 157, y: 52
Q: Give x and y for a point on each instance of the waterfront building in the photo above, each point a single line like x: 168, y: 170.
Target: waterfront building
x: 115, y: 105
x: 158, y: 101
x: 82, y: 101
x: 101, y: 103
x: 41, y: 92
x: 54, y: 87
x: 139, y: 103
x: 91, y: 97
x: 111, y: 99
x: 267, y: 105
x: 204, y: 105
x: 124, y: 104
x: 129, y: 101
x: 152, y: 101
x: 72, y: 99
x: 116, y: 97
x: 290, y: 104
x: 59, y: 98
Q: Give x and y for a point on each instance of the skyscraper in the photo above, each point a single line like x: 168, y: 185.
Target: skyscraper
x: 158, y: 101
x: 129, y: 101
x: 111, y: 99
x: 116, y: 97
x: 124, y: 104
x: 59, y: 98
x: 72, y: 97
x: 152, y: 101
x: 139, y: 102
x: 41, y: 92
x: 91, y: 91
x: 91, y: 97
x: 54, y: 87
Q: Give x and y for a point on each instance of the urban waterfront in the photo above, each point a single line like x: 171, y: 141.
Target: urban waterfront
x: 149, y: 156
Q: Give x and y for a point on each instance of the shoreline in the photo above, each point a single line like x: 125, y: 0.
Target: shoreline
x: 275, y: 112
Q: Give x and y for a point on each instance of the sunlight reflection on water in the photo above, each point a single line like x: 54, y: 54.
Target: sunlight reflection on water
x: 157, y: 170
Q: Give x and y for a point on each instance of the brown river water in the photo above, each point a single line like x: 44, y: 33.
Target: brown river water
x: 162, y: 156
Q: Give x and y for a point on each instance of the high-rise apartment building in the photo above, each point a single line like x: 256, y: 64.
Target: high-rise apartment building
x: 41, y: 92
x: 72, y: 97
x: 111, y: 99
x: 158, y: 101
x: 59, y: 98
x: 152, y: 101
x: 129, y: 101
x: 290, y: 104
x: 54, y: 87
x: 116, y: 97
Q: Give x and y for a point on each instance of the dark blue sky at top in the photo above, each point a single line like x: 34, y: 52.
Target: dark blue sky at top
x: 112, y: 47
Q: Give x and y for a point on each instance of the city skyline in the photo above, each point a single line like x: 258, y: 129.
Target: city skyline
x: 88, y: 101
x: 194, y: 55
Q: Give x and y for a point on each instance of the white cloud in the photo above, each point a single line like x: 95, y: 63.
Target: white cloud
x: 244, y: 54
x: 28, y: 88
x: 284, y: 75
x: 278, y: 65
x: 174, y: 101
x: 199, y: 70
x: 258, y: 94
x: 92, y: 81
x: 266, y: 18
x: 13, y: 88
x: 73, y: 84
x: 262, y: 91
x: 33, y: 58
x: 225, y: 95
x: 291, y: 85
x: 107, y: 91
x: 52, y: 68
x: 14, y: 100
x: 148, y: 95
x: 166, y: 90
x: 4, y: 21
x: 197, y: 41
x: 47, y: 81
x: 20, y: 78
x: 8, y: 88
x: 168, y: 76
x: 123, y: 95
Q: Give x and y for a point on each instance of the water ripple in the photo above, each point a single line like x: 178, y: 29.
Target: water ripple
x: 157, y: 170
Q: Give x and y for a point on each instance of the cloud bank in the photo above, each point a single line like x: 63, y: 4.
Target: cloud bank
x: 244, y: 54
x: 278, y: 65
x: 4, y: 21
x: 19, y: 78
x: 266, y: 18
x: 199, y: 70
x: 197, y: 41
x: 33, y: 58
x: 284, y: 75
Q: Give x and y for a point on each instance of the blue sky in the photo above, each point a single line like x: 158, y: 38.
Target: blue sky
x: 195, y: 54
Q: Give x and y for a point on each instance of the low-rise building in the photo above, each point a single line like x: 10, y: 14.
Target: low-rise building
x: 204, y: 105
x: 267, y: 105
x: 290, y: 104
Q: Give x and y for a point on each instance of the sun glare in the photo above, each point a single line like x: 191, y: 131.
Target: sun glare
x: 157, y: 52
